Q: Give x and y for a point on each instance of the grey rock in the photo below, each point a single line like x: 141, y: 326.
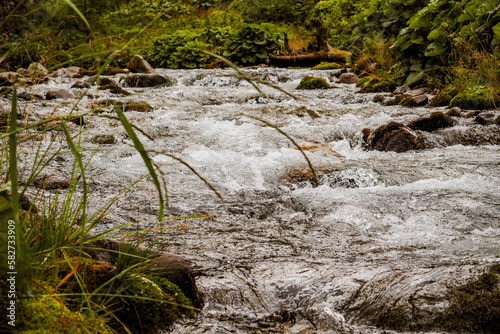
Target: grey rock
x: 485, y: 118
x: 401, y: 90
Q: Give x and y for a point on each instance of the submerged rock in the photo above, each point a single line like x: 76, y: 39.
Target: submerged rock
x: 148, y: 80
x: 431, y: 122
x: 395, y: 137
x: 53, y: 181
x: 485, y: 118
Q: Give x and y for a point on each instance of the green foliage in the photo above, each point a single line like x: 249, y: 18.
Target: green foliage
x: 372, y: 84
x: 338, y: 17
x: 309, y: 82
x: 179, y: 50
x: 477, y: 98
x: 253, y: 43
x: 259, y: 11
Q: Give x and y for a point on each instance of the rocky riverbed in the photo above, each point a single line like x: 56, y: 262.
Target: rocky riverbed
x: 380, y: 244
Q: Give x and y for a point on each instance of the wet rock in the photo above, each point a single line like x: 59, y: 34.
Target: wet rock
x: 9, y: 78
x: 59, y: 94
x: 179, y: 271
x: 347, y: 78
x: 138, y: 64
x: 485, y: 118
x: 24, y: 95
x: 304, y: 111
x: 431, y: 122
x: 318, y: 147
x: 53, y: 181
x: 67, y: 72
x: 103, y: 139
x: 373, y: 84
x: 35, y: 69
x: 82, y: 84
x: 401, y: 90
x: 114, y: 89
x: 419, y: 91
x: 497, y: 121
x: 454, y: 112
x: 309, y: 82
x: 136, y: 106
x: 379, y: 98
x: 416, y: 101
x: 472, y: 114
x: 395, y: 137
x: 148, y: 80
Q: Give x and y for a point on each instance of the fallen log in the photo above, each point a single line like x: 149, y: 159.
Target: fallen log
x: 302, y: 60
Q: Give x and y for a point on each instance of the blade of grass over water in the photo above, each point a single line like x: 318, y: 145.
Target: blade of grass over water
x: 145, y: 157
x: 13, y: 155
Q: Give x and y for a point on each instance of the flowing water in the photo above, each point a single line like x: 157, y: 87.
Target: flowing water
x: 384, y: 236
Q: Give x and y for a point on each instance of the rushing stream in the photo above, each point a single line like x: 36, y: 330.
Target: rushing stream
x: 381, y: 240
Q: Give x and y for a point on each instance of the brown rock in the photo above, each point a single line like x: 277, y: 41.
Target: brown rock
x: 52, y: 181
x: 147, y: 80
x: 401, y: 90
x: 455, y: 112
x: 419, y: 100
x: 179, y: 271
x: 68, y: 72
x: 472, y: 114
x: 9, y: 78
x: 395, y: 137
x: 139, y: 65
x: 347, y: 78
x: 431, y: 122
x: 419, y: 91
x: 485, y: 118
x: 59, y: 94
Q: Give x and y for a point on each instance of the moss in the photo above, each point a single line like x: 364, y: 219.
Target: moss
x: 47, y: 313
x: 476, y: 98
x: 309, y: 82
x: 328, y: 66
x: 338, y: 56
x: 362, y: 81
x: 475, y: 307
x: 147, y: 304
x: 372, y: 84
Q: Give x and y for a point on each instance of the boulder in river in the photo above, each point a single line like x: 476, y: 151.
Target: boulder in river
x: 309, y: 82
x: 67, y: 72
x: 395, y: 137
x: 485, y: 118
x: 148, y: 80
x: 53, y: 180
x: 9, y: 78
x: 431, y: 122
x: 59, y: 94
x: 138, y: 64
x: 347, y: 78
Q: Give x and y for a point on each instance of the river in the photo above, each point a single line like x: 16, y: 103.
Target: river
x: 378, y: 244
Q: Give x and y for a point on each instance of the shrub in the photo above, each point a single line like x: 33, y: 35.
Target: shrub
x: 253, y: 43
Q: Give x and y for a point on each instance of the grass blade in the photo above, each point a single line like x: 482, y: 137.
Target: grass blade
x: 144, y: 154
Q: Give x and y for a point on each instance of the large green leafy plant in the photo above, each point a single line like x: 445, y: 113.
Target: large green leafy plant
x: 253, y: 43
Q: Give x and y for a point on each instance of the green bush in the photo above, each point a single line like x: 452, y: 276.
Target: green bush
x: 179, y: 50
x: 253, y: 43
x: 338, y: 17
x: 258, y: 11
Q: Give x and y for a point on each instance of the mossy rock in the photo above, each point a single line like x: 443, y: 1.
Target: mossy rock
x: 328, y: 66
x: 44, y: 313
x: 475, y: 307
x: 338, y: 56
x: 309, y: 82
x: 477, y: 98
x: 372, y: 84
x: 146, y: 304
